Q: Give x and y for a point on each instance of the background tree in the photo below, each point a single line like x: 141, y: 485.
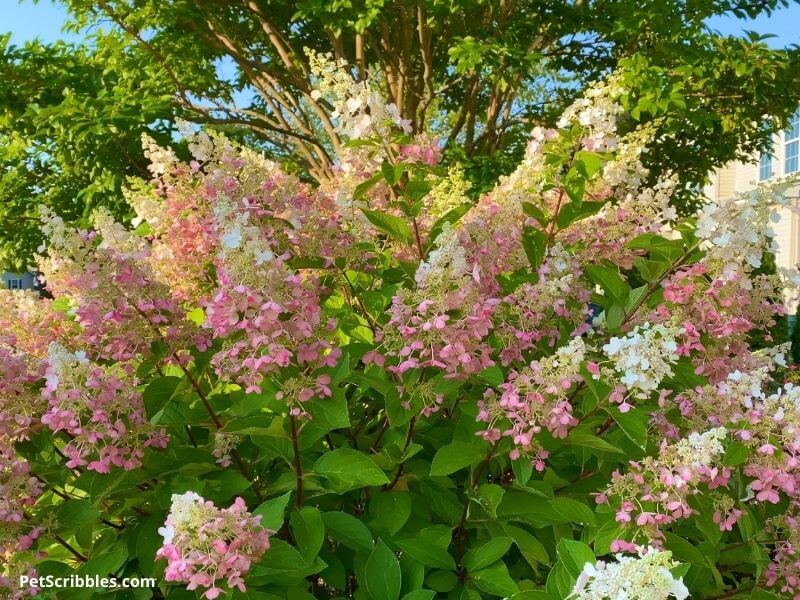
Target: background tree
x: 479, y: 73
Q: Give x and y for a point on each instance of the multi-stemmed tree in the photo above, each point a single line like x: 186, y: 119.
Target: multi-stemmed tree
x: 478, y: 74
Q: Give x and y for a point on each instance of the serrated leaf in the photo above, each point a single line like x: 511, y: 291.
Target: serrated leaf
x: 534, y: 242
x: 429, y: 547
x: 456, y: 456
x: 390, y: 509
x: 571, y: 213
x: 495, y: 580
x: 272, y: 511
x: 485, y: 555
x: 158, y: 392
x: 382, y: 573
x: 348, y: 530
x: 393, y: 226
x: 585, y: 439
x: 348, y: 469
x: 309, y: 531
x: 609, y: 279
x: 392, y: 173
x: 574, y: 555
x: 633, y: 424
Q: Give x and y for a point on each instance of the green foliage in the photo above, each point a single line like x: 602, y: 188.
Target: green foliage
x: 71, y: 116
x: 71, y: 121
x: 795, y: 339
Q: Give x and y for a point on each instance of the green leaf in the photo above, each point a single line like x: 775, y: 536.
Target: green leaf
x: 534, y: 242
x: 532, y: 550
x: 610, y: 531
x: 393, y: 226
x: 104, y: 563
x: 683, y: 550
x: 492, y: 375
x: 588, y: 163
x: 573, y: 511
x: 347, y: 469
x: 735, y: 454
x: 615, y: 315
x: 534, y: 211
x: 392, y: 173
x: 74, y: 514
x: 272, y: 511
x: 456, y: 456
x: 609, y: 279
x: 382, y: 574
x: 651, y: 270
x: 261, y: 424
x: 442, y: 581
x: 429, y: 547
x: 539, y: 511
x: 585, y: 439
x: 420, y: 595
x: 632, y: 423
x: 574, y: 555
x: 391, y: 510
x: 490, y: 495
x: 636, y: 296
x: 330, y: 413
x: 416, y: 189
x: 451, y: 216
x: 348, y: 530
x: 570, y: 213
x: 309, y: 531
x: 485, y: 555
x: 575, y: 187
x: 363, y: 187
x: 285, y: 566
x: 158, y: 392
x: 495, y: 580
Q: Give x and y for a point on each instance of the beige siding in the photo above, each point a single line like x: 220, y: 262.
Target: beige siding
x: 785, y: 236
x: 726, y: 183
x: 746, y: 176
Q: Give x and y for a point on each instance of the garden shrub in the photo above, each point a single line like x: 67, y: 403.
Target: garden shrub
x: 379, y: 388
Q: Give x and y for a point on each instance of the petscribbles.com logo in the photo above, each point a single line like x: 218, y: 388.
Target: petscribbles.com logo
x: 84, y: 581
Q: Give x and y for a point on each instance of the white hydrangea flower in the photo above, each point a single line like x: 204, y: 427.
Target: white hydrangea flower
x: 114, y: 236
x: 646, y: 577
x: 644, y: 357
x: 184, y: 509
x: 359, y: 111
x: 738, y: 230
x: 232, y: 238
x: 60, y: 362
x: 161, y: 160
x: 446, y: 263
x: 597, y: 111
x: 564, y: 364
x: 701, y: 449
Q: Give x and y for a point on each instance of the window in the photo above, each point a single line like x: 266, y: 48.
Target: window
x: 14, y: 284
x: 791, y: 139
x: 765, y: 167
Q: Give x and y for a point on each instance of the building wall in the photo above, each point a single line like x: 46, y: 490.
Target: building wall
x: 8, y: 280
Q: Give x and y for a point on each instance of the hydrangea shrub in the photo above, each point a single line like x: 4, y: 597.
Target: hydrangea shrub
x: 382, y: 387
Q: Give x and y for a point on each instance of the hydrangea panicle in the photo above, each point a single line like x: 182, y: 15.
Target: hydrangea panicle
x: 205, y: 545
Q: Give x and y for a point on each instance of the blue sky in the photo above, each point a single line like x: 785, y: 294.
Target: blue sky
x: 27, y: 20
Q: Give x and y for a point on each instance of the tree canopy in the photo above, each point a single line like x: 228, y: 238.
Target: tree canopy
x: 478, y: 73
